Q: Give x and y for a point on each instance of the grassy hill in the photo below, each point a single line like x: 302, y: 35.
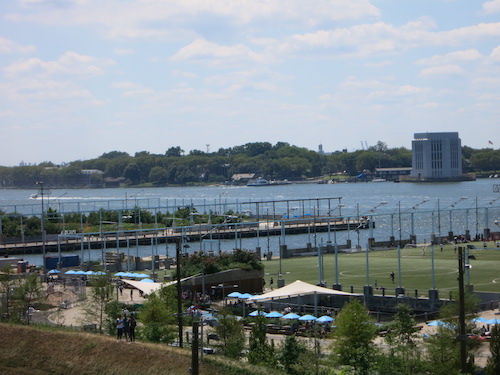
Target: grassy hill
x: 43, y: 351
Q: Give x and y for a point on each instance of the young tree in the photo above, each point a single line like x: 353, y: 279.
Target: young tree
x: 29, y: 291
x: 102, y: 292
x: 493, y: 365
x: 443, y: 350
x: 404, y: 352
x: 231, y: 334
x: 7, y: 284
x: 260, y: 352
x: 157, y: 315
x: 354, y: 336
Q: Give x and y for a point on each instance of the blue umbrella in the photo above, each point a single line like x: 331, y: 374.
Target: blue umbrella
x: 120, y: 273
x: 479, y: 320
x: 54, y: 271
x: 324, y: 319
x: 246, y: 296
x: 99, y: 273
x: 80, y: 272
x: 147, y: 281
x: 139, y: 275
x: 71, y: 272
x: 290, y: 316
x: 274, y: 314
x: 440, y: 323
x: 234, y: 295
x: 256, y: 313
x: 308, y: 318
x: 493, y: 321
x: 89, y: 273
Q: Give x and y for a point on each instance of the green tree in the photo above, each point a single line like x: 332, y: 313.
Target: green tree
x: 101, y: 293
x: 260, y: 352
x: 232, y: 335
x: 289, y: 354
x: 353, y: 345
x: 133, y: 173
x: 28, y: 292
x: 443, y: 350
x: 158, y: 175
x: 7, y: 285
x: 493, y: 365
x: 157, y: 316
x: 401, y: 339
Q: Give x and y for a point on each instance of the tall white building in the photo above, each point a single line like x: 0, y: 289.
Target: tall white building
x: 436, y: 155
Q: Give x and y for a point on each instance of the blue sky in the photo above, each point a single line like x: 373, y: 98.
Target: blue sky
x: 82, y: 77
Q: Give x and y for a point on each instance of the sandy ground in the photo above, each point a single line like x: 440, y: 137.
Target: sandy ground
x: 73, y: 314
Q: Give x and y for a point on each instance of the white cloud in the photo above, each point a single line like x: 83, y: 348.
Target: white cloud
x: 139, y: 19
x: 8, y: 46
x: 69, y: 64
x: 123, y: 51
x: 442, y: 70
x: 216, y: 54
x: 452, y: 57
x: 495, y: 55
x: 491, y: 7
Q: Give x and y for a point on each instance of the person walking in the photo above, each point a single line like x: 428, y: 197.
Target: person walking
x: 119, y: 329
x: 392, y: 277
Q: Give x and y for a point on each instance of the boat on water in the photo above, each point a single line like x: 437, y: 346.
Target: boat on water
x: 259, y: 182
x: 34, y: 196
x: 379, y: 180
x: 263, y: 182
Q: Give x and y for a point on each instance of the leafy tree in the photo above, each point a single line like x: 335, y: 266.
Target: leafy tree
x: 114, y: 155
x: 102, y: 293
x: 493, y: 365
x: 157, y: 316
x: 260, y: 352
x: 443, y: 350
x: 353, y: 345
x: 401, y: 338
x: 289, y: 353
x: 232, y: 335
x: 7, y: 284
x: 133, y: 173
x: 158, y: 175
x: 174, y: 152
x: 28, y: 291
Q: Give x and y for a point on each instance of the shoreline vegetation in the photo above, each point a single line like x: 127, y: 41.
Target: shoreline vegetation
x: 235, y: 165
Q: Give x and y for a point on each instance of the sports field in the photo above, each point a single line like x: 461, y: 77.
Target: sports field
x: 416, y: 269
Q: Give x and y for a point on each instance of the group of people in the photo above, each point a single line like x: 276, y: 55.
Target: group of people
x: 125, y: 326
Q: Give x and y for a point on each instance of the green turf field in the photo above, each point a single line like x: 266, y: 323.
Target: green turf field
x: 416, y: 266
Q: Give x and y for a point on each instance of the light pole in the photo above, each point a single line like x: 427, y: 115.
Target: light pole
x: 40, y: 183
x: 450, y: 233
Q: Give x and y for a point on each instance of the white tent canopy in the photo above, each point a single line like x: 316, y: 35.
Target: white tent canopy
x: 146, y: 288
x: 299, y: 288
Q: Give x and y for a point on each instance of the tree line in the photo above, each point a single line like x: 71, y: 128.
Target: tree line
x: 279, y: 161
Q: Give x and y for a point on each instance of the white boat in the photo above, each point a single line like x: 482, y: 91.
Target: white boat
x: 34, y: 196
x: 258, y: 182
x: 379, y: 180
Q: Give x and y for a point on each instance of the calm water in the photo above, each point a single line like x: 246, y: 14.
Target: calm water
x: 419, y: 208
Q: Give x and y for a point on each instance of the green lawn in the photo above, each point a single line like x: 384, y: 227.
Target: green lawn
x: 415, y: 270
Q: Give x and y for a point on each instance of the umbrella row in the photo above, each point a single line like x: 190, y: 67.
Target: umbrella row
x: 92, y: 273
x: 79, y: 272
x: 291, y: 316
x: 440, y: 323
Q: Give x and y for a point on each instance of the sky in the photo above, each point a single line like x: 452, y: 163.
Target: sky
x: 79, y: 78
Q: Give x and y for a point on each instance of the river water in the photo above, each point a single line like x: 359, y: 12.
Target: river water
x: 398, y: 209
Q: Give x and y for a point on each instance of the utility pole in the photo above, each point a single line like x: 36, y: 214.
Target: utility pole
x: 179, y: 289
x: 461, y: 314
x: 194, y: 350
